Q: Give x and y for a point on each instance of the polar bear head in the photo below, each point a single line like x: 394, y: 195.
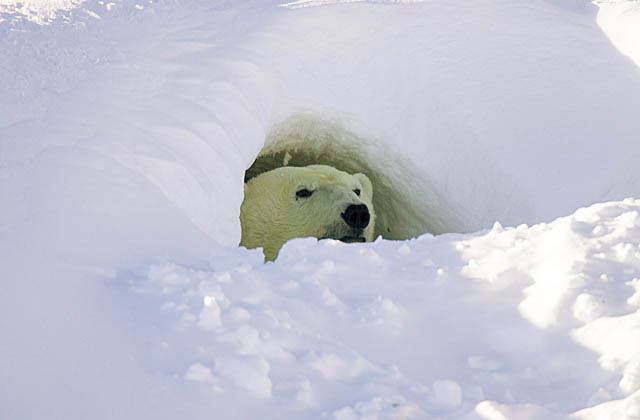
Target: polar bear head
x: 294, y: 202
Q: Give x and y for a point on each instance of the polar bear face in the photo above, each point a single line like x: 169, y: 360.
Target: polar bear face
x: 294, y: 202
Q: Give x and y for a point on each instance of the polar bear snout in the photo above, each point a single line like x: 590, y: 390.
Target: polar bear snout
x: 357, y: 216
x: 297, y: 202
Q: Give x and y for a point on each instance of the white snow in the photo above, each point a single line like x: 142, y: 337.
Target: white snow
x: 619, y: 20
x: 125, y: 131
x: 37, y: 11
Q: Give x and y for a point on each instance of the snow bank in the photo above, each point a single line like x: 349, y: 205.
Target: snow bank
x: 471, y: 113
x: 126, y: 129
x: 452, y: 326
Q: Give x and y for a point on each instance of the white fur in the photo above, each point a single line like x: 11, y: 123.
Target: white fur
x: 272, y: 213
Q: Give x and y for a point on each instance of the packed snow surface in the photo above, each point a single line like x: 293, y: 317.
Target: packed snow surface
x: 126, y: 128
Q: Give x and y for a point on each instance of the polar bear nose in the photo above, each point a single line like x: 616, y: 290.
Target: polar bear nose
x: 357, y: 216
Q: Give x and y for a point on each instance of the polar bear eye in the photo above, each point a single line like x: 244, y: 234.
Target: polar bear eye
x: 357, y: 191
x: 303, y: 193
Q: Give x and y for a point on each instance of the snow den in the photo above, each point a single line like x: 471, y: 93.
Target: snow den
x: 406, y: 202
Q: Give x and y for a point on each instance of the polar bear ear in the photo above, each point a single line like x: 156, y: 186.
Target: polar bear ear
x: 366, y: 184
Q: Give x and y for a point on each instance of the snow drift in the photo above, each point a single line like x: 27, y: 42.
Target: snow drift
x: 126, y: 133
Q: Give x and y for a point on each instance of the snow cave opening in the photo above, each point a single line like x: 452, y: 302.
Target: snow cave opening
x: 405, y: 201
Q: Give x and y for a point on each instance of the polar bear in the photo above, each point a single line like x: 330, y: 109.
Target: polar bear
x: 293, y: 202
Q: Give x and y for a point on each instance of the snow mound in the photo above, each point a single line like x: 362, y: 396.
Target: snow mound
x: 437, y: 326
x: 126, y: 132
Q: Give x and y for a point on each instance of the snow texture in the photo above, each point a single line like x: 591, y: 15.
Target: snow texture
x: 619, y: 20
x: 507, y: 128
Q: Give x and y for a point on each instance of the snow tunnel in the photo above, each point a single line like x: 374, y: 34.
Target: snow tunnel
x: 405, y: 207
